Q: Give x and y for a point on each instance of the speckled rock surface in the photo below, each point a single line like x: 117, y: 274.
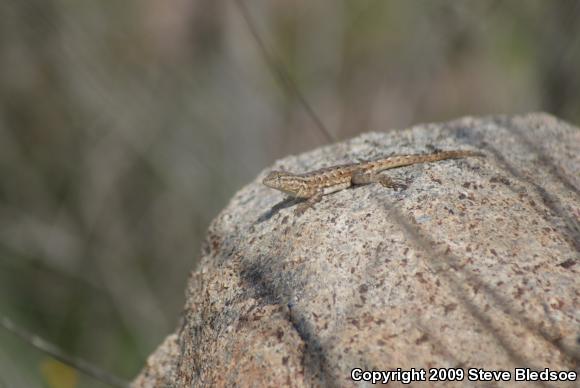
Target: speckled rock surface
x: 475, y: 265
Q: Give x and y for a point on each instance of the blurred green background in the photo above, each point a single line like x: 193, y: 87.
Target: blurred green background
x: 125, y: 126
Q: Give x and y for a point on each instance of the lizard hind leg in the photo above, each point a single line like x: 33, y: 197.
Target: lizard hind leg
x: 369, y: 177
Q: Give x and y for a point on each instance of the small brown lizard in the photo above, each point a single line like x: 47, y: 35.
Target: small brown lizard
x: 315, y: 184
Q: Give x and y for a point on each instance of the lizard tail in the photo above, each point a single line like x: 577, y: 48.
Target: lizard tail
x: 407, y: 160
x: 442, y: 155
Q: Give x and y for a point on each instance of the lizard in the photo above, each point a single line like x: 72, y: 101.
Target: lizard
x: 313, y: 185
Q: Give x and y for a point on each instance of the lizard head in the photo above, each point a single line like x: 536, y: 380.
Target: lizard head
x: 283, y: 181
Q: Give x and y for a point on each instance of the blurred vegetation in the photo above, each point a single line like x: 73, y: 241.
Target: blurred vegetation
x: 126, y: 126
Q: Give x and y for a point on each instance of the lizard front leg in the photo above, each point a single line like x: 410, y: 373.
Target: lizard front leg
x: 302, y: 207
x: 365, y: 178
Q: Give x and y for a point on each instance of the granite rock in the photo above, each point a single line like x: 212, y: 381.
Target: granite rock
x: 475, y: 265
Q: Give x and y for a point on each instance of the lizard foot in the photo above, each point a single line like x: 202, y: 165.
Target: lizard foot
x: 399, y: 186
x: 301, y: 208
x: 393, y: 184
